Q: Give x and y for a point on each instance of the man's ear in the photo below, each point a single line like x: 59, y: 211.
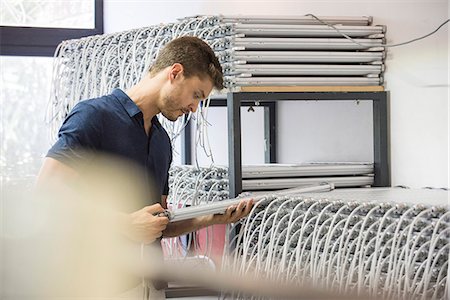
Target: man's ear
x: 176, y: 70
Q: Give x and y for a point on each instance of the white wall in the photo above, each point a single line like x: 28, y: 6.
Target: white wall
x: 252, y: 136
x: 416, y: 76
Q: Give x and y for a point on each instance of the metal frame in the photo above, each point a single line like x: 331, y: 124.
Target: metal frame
x: 314, y: 30
x: 235, y: 100
x: 287, y: 183
x: 306, y: 169
x: 273, y: 56
x: 307, y: 81
x: 380, y: 128
x: 270, y: 152
x: 295, y: 43
x: 305, y: 20
x: 301, y: 70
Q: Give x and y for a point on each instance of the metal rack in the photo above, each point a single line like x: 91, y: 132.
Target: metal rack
x: 269, y: 96
x: 376, y: 94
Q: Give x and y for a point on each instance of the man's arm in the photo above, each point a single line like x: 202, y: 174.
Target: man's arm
x: 232, y: 215
x: 143, y: 226
x: 53, y: 170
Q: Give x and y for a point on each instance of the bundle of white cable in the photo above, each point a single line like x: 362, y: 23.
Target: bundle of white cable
x: 389, y: 250
x: 93, y: 66
x: 192, y: 186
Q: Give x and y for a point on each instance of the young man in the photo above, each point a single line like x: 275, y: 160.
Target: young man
x: 125, y: 124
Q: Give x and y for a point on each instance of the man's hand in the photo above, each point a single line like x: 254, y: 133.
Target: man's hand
x: 144, y: 225
x: 234, y: 213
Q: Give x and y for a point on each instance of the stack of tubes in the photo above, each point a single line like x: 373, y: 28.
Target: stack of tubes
x: 253, y: 50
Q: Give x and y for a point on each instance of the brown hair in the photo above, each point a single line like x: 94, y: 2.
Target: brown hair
x: 197, y: 58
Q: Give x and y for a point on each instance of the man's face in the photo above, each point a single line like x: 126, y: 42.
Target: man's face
x: 184, y: 96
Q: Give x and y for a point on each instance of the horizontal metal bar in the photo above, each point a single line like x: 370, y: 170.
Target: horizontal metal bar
x: 305, y: 30
x: 292, y: 170
x: 255, y: 81
x: 312, y: 89
x: 296, y: 69
x: 283, y: 183
x: 220, y: 100
x: 315, y: 96
x: 38, y: 41
x: 305, y: 56
x: 305, y: 20
x: 304, y: 43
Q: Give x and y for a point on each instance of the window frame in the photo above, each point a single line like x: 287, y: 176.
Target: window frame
x: 42, y: 41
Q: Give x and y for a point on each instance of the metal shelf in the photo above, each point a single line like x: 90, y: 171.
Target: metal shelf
x: 380, y: 126
x: 268, y: 97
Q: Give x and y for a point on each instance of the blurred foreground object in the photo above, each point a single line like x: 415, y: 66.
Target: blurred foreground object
x: 65, y: 239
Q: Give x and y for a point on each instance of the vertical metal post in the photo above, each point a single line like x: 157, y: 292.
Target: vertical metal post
x: 234, y: 144
x: 186, y: 145
x: 380, y: 140
x: 270, y: 151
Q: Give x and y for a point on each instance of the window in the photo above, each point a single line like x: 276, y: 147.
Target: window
x: 24, y: 136
x: 29, y: 34
x: 36, y: 27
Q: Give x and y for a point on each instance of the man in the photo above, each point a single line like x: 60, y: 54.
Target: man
x: 125, y: 124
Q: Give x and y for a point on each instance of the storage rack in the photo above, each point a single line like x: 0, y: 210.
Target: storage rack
x: 269, y: 96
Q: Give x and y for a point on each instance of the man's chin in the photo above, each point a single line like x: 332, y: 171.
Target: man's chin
x: 171, y: 118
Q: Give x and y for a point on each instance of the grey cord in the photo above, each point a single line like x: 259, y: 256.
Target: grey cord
x: 382, y: 45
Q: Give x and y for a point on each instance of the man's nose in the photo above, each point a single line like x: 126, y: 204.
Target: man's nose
x: 194, y: 106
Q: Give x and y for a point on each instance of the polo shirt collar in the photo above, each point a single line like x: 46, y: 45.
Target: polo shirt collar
x: 155, y: 122
x: 129, y: 105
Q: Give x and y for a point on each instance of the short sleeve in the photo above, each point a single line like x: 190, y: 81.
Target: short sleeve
x: 79, y: 135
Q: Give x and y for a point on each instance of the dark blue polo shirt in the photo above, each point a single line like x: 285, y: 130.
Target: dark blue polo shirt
x: 114, y: 125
